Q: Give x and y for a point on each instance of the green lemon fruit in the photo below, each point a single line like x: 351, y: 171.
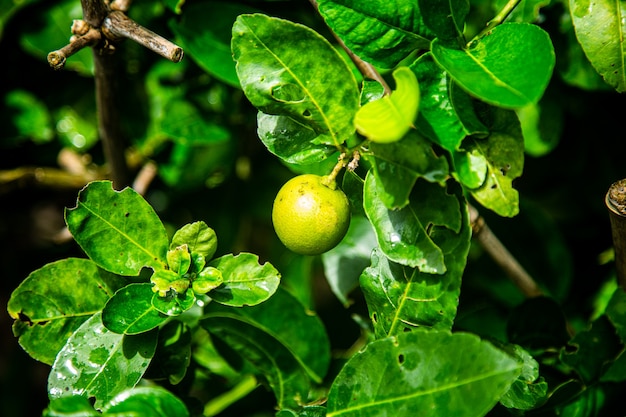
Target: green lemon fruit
x: 310, y: 217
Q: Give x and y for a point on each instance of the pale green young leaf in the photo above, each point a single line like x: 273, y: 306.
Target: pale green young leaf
x: 199, y: 237
x: 245, y: 281
x: 109, y: 364
x: 437, y: 371
x: 118, y: 230
x: 382, y: 32
x: 509, y: 67
x: 389, y: 118
x: 53, y: 301
x: 600, y: 30
x: 316, y: 88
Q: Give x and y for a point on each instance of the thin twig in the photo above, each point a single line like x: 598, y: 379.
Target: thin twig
x: 481, y: 232
x: 57, y: 58
x: 499, y: 18
x: 117, y: 26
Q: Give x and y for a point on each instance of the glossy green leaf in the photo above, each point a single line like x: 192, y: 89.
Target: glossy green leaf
x: 173, y: 353
x: 199, y: 237
x: 53, y: 301
x: 438, y: 119
x: 109, y: 364
x: 166, y: 281
x: 286, y: 343
x: 70, y: 406
x: 179, y: 259
x: 344, y: 264
x: 389, y: 118
x: 279, y: 79
x: 118, y: 230
x: 398, y: 165
x: 399, y: 297
x: 204, y: 34
x: 529, y: 390
x: 470, y: 168
x: 600, y: 30
x: 509, y: 67
x: 437, y: 372
x: 173, y: 303
x: 381, y: 32
x: 401, y: 235
x: 130, y: 310
x: 246, y: 282
x: 446, y: 20
x: 298, y: 329
x: 206, y: 280
x: 503, y: 151
x: 290, y: 140
x: 149, y: 401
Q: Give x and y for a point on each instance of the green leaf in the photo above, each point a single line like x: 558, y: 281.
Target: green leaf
x: 381, y: 32
x: 173, y: 353
x: 198, y: 236
x: 529, y: 390
x: 542, y: 126
x: 130, y: 310
x: 400, y: 298
x: 179, y: 259
x: 509, y: 67
x: 53, y: 301
x: 591, y: 350
x: 279, y: 79
x: 283, y: 316
x: 118, y: 230
x: 290, y: 140
x: 206, y: 280
x: 397, y: 166
x: 30, y: 117
x: 503, y: 150
x: 103, y: 367
x: 344, y: 264
x: 616, y: 312
x: 246, y: 282
x: 166, y: 281
x: 423, y: 371
x: 187, y: 125
x: 446, y: 20
x: 152, y: 401
x: 174, y: 303
x: 600, y: 29
x: 204, y: 33
x: 438, y: 119
x: 285, y: 342
x: 401, y: 235
x: 70, y: 406
x: 470, y: 168
x: 389, y: 118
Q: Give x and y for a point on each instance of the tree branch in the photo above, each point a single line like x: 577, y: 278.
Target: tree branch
x: 616, y: 203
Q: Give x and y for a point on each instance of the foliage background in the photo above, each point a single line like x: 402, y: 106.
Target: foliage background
x: 561, y: 235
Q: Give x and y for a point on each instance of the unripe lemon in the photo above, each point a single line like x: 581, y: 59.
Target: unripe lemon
x: 310, y: 217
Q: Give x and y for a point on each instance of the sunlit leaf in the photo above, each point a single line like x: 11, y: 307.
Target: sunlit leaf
x: 130, y: 310
x: 109, y: 364
x: 118, y: 230
x: 433, y: 371
x: 53, y: 301
x: 509, y: 67
x: 153, y: 401
x: 400, y: 233
x: 279, y: 79
x: 600, y: 30
x: 246, y: 282
x: 389, y: 118
x: 529, y: 390
x: 381, y: 32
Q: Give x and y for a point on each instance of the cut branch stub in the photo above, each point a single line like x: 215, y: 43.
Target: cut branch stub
x: 616, y: 203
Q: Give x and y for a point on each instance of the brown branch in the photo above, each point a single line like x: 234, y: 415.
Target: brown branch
x: 57, y: 58
x: 481, y: 232
x: 117, y: 26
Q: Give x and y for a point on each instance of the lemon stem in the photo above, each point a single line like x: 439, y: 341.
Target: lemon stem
x: 329, y: 180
